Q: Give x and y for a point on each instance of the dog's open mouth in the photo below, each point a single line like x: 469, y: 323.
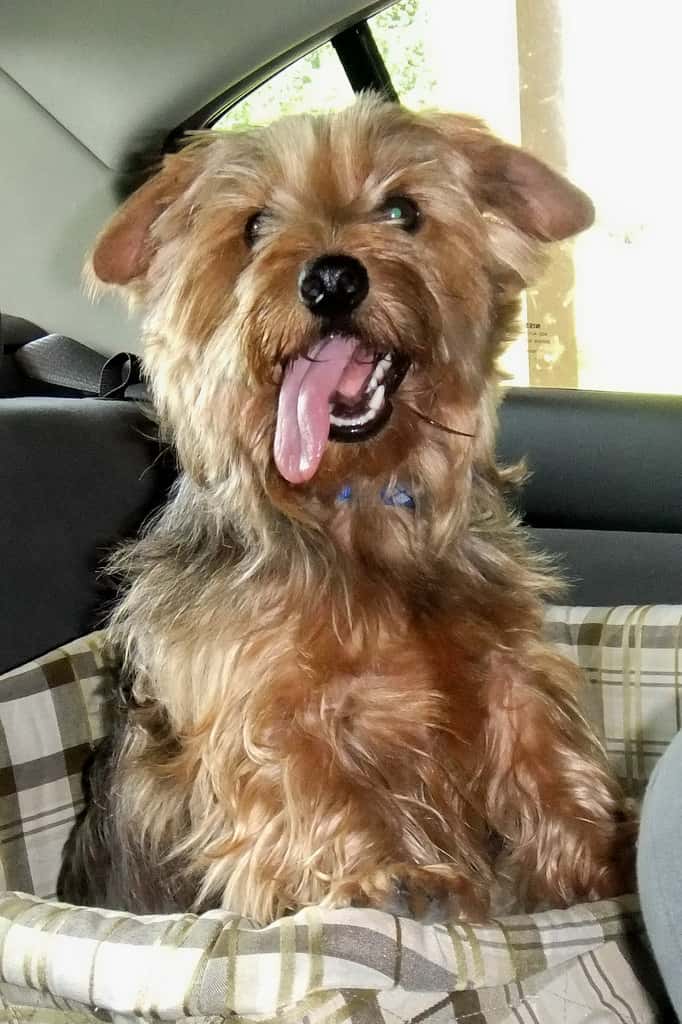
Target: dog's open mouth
x: 340, y: 390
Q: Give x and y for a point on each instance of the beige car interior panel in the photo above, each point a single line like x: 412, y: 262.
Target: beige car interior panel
x: 54, y: 198
x: 85, y: 87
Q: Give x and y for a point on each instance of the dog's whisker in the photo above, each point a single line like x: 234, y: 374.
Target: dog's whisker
x: 434, y: 423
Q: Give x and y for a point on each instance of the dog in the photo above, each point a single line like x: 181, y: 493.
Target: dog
x: 337, y: 688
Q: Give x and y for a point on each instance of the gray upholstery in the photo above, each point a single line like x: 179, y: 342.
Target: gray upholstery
x: 599, y: 460
x: 15, y: 331
x: 76, y: 475
x: 605, y: 491
x: 610, y: 567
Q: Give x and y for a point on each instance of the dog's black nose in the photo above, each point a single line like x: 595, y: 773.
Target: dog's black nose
x: 333, y: 285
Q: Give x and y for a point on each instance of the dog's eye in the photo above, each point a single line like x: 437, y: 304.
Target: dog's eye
x: 401, y: 211
x: 254, y: 227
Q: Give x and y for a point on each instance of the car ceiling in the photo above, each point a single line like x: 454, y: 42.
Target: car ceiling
x: 86, y: 87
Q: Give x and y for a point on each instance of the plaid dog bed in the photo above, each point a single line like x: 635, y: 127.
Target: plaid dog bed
x: 632, y: 660
x: 320, y: 967
x: 64, y: 964
x: 51, y: 716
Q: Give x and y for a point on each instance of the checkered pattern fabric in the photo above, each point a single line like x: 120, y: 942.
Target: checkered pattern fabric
x: 66, y: 965
x: 632, y: 661
x: 51, y: 715
x: 322, y: 967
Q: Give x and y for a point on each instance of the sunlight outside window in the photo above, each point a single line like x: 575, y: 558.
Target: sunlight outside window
x: 593, y: 89
x: 312, y: 84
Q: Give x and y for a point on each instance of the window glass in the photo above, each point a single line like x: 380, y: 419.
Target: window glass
x: 593, y: 89
x: 314, y: 83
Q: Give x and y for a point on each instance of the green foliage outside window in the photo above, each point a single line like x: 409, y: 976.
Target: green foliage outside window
x: 317, y: 82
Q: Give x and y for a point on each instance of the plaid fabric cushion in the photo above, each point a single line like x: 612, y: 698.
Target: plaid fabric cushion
x: 51, y: 715
x: 64, y: 964
x: 632, y: 660
x: 323, y: 967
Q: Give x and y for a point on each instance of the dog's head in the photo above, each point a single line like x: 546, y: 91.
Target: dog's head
x: 316, y: 288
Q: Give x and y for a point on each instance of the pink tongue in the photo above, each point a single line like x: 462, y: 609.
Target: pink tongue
x: 303, y: 411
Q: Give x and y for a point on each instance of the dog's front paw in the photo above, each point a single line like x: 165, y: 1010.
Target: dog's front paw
x: 431, y: 895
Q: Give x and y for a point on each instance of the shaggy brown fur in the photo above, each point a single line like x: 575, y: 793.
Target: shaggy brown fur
x: 331, y: 698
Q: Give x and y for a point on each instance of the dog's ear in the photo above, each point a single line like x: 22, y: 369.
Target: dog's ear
x: 510, y: 182
x: 124, y: 248
x: 537, y: 200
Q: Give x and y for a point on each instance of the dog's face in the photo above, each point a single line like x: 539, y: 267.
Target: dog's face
x: 314, y: 286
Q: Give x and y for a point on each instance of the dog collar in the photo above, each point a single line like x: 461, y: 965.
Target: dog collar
x: 397, y: 496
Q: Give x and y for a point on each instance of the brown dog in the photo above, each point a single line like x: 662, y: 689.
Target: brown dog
x: 333, y: 631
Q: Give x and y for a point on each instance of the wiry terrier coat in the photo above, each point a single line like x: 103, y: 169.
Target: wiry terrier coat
x: 338, y: 684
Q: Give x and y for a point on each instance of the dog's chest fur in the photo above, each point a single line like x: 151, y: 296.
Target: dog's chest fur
x: 364, y: 630
x: 339, y: 674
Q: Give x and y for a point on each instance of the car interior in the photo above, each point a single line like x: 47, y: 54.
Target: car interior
x: 92, y: 95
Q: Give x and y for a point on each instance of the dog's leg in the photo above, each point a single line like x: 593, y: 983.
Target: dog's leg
x: 430, y: 893
x: 100, y: 867
x: 102, y: 864
x: 547, y: 787
x: 87, y: 872
x: 340, y: 847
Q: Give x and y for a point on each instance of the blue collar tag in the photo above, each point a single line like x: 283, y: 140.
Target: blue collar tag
x: 398, y: 497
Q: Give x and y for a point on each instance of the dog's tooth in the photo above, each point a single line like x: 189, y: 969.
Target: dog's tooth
x: 375, y: 402
x: 355, y: 421
x: 377, y: 399
x: 378, y: 374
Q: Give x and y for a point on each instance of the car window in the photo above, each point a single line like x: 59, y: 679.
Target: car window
x: 314, y: 83
x: 554, y: 76
x: 572, y: 81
